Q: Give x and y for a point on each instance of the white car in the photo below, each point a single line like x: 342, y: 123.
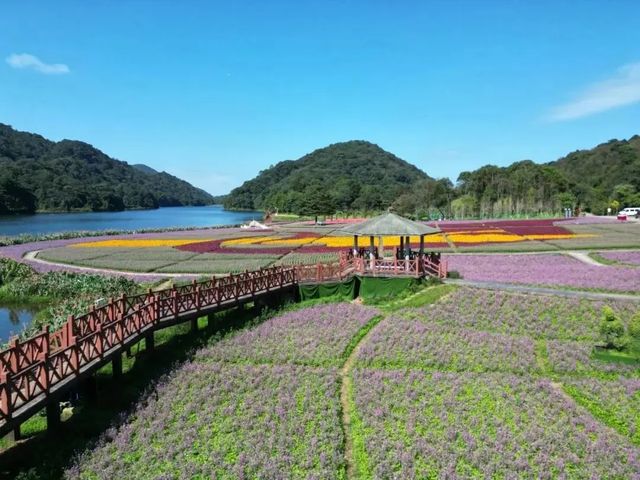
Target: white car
x: 630, y: 211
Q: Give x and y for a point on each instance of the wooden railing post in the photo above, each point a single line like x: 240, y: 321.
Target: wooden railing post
x: 174, y: 298
x: 99, y: 342
x: 69, y: 336
x: 123, y: 299
x: 74, y: 360
x: 44, y: 357
x: 5, y: 397
x: 14, y: 344
x: 111, y: 309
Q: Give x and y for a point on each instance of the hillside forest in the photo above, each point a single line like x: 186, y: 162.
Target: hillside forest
x: 360, y: 176
x: 40, y: 175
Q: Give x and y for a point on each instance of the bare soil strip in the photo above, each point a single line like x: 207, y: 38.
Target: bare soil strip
x: 346, y: 388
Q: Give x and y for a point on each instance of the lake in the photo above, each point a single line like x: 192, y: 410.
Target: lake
x: 212, y: 215
x: 14, y: 319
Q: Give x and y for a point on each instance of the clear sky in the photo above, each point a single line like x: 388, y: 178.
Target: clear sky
x: 213, y: 92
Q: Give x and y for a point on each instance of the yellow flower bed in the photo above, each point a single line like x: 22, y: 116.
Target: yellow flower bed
x: 139, y: 243
x: 249, y: 240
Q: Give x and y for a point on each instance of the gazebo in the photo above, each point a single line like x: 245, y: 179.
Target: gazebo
x: 390, y: 224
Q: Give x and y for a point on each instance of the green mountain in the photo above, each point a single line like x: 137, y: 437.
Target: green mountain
x: 144, y: 168
x: 610, y: 171
x: 38, y: 174
x: 343, y: 176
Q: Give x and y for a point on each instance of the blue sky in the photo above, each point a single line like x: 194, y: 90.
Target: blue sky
x: 213, y: 92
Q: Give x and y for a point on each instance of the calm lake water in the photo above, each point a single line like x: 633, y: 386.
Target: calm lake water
x: 14, y: 318
x: 208, y: 216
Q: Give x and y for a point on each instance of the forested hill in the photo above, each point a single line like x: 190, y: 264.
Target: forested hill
x: 38, y: 174
x: 609, y: 171
x: 343, y: 176
x: 359, y: 175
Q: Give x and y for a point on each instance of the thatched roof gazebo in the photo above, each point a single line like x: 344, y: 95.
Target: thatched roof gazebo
x: 389, y: 224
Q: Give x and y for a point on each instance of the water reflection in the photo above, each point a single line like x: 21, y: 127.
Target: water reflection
x: 14, y: 319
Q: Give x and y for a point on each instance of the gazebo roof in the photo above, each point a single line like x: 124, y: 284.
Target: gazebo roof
x: 389, y: 224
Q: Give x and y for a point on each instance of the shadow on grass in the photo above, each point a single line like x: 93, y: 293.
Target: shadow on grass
x: 43, y: 455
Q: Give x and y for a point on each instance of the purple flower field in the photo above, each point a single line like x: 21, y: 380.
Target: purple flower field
x: 317, y: 335
x: 567, y: 356
x: 618, y: 401
x: 539, y: 316
x: 451, y: 425
x: 227, y: 421
x: 622, y: 257
x: 444, y: 391
x: 398, y: 342
x: 545, y: 269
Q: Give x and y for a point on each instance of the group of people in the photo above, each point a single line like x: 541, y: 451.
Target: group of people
x: 401, y: 254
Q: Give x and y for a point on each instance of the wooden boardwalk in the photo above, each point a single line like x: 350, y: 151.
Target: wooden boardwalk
x: 38, y: 371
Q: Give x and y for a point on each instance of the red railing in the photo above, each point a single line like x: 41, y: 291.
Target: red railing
x: 32, y: 367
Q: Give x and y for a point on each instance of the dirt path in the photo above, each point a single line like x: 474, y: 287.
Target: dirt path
x: 346, y: 389
x: 545, y: 290
x: 584, y: 258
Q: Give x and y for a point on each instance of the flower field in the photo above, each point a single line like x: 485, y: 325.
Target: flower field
x: 214, y: 420
x: 315, y: 336
x: 399, y: 342
x: 219, y: 251
x: 631, y: 258
x: 536, y: 316
x: 466, y: 425
x: 545, y: 269
x: 480, y: 384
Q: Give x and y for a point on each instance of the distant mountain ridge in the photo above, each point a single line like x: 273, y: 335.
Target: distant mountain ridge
x: 344, y: 176
x: 37, y: 174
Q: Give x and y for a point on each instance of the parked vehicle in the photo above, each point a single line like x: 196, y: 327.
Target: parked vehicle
x: 630, y: 212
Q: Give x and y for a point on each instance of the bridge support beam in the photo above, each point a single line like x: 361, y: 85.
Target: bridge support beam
x: 116, y: 365
x: 90, y: 389
x: 149, y: 342
x: 210, y: 320
x: 14, y: 435
x: 53, y: 415
x: 194, y: 325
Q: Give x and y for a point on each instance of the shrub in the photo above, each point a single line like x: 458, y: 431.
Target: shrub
x: 634, y: 327
x: 453, y: 274
x: 612, y: 330
x: 11, y: 270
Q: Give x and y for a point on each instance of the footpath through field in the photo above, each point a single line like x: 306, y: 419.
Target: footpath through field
x: 544, y: 290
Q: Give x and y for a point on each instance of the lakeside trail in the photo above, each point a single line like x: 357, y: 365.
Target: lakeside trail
x: 346, y: 400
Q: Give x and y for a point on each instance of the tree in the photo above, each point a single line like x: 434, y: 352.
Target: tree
x: 634, y: 327
x: 612, y: 330
x: 464, y: 206
x: 626, y: 195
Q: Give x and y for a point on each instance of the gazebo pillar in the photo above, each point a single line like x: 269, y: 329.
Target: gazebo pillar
x: 381, y: 246
x: 421, y: 255
x: 371, y: 253
x: 355, y: 245
x: 402, y: 246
